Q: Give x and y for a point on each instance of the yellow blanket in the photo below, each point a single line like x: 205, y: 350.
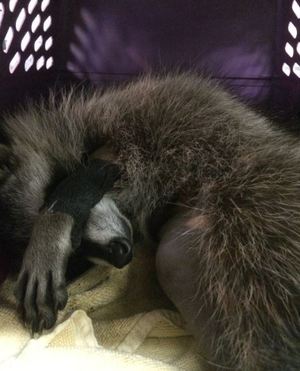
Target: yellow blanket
x: 114, y: 320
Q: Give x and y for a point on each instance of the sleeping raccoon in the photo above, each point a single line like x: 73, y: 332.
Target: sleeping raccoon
x: 203, y: 177
x: 85, y: 224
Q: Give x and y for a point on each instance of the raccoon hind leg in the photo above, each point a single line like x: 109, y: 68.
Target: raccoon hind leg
x: 233, y: 272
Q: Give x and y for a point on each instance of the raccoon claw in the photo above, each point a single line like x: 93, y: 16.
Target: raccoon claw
x: 39, y: 298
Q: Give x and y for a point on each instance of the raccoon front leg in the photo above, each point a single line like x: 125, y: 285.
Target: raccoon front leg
x: 41, y: 289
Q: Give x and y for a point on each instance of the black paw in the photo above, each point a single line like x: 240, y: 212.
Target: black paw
x: 40, y: 295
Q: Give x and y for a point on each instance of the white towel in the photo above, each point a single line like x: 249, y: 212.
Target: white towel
x: 114, y: 320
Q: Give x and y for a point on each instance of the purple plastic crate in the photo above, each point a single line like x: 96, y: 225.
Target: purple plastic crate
x: 252, y: 46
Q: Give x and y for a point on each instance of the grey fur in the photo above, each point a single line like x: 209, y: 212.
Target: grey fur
x: 183, y: 140
x: 42, y: 277
x: 106, y: 222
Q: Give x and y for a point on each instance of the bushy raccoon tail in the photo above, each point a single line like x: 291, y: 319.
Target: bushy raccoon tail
x: 249, y: 256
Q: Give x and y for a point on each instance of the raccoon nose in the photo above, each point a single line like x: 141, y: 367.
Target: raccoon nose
x: 122, y: 251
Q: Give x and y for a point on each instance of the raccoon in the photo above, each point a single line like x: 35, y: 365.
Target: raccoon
x: 208, y: 181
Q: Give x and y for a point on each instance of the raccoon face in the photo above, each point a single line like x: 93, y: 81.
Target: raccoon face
x: 108, y: 235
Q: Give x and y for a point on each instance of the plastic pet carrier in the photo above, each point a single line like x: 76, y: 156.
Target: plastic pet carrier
x: 252, y: 45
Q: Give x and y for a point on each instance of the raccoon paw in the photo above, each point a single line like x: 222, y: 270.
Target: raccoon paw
x: 41, y: 287
x: 40, y: 295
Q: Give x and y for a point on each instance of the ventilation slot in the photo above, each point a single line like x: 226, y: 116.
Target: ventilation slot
x: 25, y: 41
x: 1, y: 13
x: 20, y: 20
x: 292, y: 30
x: 49, y: 63
x: 44, y: 5
x: 296, y: 69
x: 29, y: 63
x: 40, y: 62
x: 38, y: 43
x: 14, y: 62
x: 47, y: 23
x: 35, y: 23
x: 32, y: 4
x: 12, y: 5
x: 286, y: 69
x: 49, y: 43
x: 8, y: 38
x: 296, y: 9
x: 289, y: 50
